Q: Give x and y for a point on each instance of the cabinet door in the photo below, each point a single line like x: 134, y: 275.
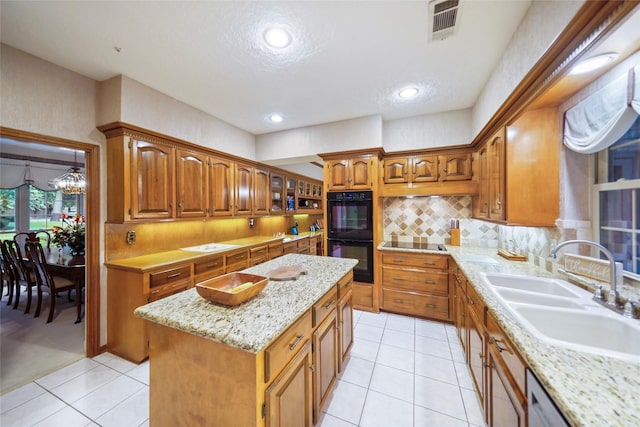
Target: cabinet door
x: 221, y: 187
x: 289, y: 398
x: 261, y: 192
x: 456, y: 167
x: 461, y: 314
x: 496, y: 177
x: 345, y: 328
x: 152, y: 170
x: 277, y: 193
x: 244, y: 190
x: 484, y: 187
x: 476, y: 350
x: 325, y: 359
x: 424, y: 169
x: 396, y: 170
x: 360, y: 174
x: 291, y: 195
x: 191, y: 182
x: 505, y: 407
x: 337, y: 174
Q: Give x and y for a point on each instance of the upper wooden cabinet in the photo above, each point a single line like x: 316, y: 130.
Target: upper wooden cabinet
x: 350, y: 174
x: 277, y: 192
x: 244, y: 190
x: 221, y: 187
x: 519, y: 171
x: 490, y: 202
x: 191, y: 183
x: 152, y: 186
x: 261, y: 192
x: 427, y: 168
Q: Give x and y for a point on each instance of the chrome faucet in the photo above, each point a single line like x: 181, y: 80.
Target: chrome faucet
x: 612, y: 297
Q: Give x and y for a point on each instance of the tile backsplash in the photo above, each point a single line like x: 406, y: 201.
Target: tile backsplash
x: 429, y: 217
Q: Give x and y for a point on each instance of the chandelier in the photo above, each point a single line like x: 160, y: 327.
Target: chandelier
x: 72, y: 181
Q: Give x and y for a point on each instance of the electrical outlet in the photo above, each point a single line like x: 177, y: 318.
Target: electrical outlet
x: 131, y: 237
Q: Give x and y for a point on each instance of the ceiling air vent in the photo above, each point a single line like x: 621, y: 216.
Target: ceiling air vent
x: 443, y: 15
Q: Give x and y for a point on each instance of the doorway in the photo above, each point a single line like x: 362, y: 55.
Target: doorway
x: 90, y: 327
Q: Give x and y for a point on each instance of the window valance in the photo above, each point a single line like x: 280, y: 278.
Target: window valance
x: 602, y: 118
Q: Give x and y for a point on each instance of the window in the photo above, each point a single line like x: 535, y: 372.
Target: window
x: 617, y: 197
x: 7, y: 209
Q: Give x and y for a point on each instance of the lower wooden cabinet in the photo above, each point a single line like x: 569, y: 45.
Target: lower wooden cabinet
x: 416, y: 284
x: 325, y: 360
x: 497, y: 369
x: 289, y: 399
x: 345, y: 328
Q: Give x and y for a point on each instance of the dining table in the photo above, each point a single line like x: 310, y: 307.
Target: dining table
x: 61, y: 262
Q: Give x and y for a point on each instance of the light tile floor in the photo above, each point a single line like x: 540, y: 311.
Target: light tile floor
x: 403, y: 372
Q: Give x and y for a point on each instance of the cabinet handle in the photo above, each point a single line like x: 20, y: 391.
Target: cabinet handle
x: 398, y: 300
x: 295, y: 343
x: 429, y: 282
x: 312, y: 368
x: 429, y: 263
x: 430, y: 306
x: 213, y: 265
x: 170, y: 205
x: 470, y: 301
x: 329, y: 304
x: 400, y: 279
x: 496, y: 342
x: 480, y: 355
x: 171, y: 276
x: 398, y: 259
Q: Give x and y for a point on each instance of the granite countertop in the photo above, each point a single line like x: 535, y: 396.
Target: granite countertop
x: 590, y: 390
x: 158, y: 260
x: 252, y: 326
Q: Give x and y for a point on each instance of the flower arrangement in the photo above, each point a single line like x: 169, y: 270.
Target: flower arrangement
x: 70, y: 234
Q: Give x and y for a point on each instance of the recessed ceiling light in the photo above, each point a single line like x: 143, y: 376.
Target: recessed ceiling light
x: 409, y: 92
x: 593, y: 63
x: 277, y: 37
x: 275, y: 118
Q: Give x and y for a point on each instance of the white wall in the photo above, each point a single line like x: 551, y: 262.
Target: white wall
x: 40, y: 97
x: 427, y: 131
x: 354, y: 134
x: 143, y: 106
x: 541, y: 25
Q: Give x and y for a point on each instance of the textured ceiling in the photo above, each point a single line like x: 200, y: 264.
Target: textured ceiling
x: 347, y: 58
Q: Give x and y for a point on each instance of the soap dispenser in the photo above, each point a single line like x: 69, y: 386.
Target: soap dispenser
x: 294, y: 229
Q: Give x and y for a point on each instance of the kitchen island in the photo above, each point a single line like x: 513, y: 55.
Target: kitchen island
x: 248, y: 365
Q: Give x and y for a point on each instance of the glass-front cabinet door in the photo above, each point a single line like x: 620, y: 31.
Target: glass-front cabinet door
x: 291, y: 194
x: 277, y: 193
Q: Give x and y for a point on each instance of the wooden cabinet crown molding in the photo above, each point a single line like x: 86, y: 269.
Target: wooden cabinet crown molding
x: 593, y: 22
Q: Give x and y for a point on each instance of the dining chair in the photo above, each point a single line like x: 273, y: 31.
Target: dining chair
x: 32, y: 236
x: 20, y: 273
x: 6, y: 276
x: 46, y: 282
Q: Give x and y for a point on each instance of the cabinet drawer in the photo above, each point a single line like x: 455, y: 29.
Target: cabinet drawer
x: 507, y: 353
x: 209, y: 267
x: 160, y: 292
x: 258, y: 252
x: 170, y: 275
x: 476, y: 304
x: 275, y: 250
x: 237, y: 257
x: 303, y: 244
x: 415, y: 304
x: 345, y: 284
x: 280, y: 352
x: 415, y: 279
x: 290, y: 248
x: 416, y: 260
x: 327, y: 303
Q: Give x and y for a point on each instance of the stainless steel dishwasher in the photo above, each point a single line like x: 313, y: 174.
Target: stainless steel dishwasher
x: 541, y: 411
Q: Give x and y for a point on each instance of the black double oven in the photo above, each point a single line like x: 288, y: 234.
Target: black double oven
x: 350, y: 230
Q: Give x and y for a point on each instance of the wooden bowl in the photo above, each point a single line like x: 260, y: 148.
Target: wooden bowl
x: 219, y: 288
